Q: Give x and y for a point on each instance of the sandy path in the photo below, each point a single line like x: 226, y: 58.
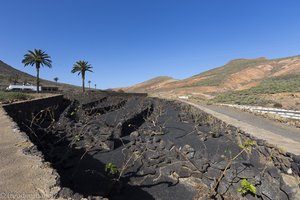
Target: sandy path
x: 21, y: 176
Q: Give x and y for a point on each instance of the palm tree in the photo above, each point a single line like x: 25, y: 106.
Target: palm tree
x: 89, y: 84
x: 95, y: 86
x: 82, y: 67
x: 56, y: 79
x: 38, y: 58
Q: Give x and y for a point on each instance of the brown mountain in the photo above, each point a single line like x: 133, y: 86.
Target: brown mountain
x: 236, y: 75
x: 151, y: 85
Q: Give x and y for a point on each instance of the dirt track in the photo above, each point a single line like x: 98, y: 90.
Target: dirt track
x: 21, y: 176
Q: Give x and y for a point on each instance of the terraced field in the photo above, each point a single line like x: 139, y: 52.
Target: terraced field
x: 123, y: 146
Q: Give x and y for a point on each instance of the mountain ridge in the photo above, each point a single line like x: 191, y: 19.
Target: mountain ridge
x: 235, y: 75
x: 151, y: 84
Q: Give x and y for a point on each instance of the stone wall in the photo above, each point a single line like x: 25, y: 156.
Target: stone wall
x: 24, y: 167
x: 25, y: 109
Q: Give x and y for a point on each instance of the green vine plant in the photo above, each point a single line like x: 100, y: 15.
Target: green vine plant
x: 246, y: 187
x: 42, y: 115
x: 74, y: 112
x: 152, y: 119
x: 111, y: 169
x: 246, y: 147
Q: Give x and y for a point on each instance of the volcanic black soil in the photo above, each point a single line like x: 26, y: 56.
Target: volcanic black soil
x: 160, y: 150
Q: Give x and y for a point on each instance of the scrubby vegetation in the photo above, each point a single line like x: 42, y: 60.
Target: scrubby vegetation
x: 253, y: 96
x: 290, y: 83
x: 13, y: 96
x: 241, y: 98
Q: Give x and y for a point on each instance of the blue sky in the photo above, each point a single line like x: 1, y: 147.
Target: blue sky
x: 129, y: 41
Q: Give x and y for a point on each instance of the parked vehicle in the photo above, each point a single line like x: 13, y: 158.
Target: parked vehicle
x: 23, y: 88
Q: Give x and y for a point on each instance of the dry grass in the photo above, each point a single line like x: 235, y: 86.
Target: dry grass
x: 8, y: 97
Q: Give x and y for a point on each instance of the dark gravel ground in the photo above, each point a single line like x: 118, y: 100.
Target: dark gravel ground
x: 162, y: 149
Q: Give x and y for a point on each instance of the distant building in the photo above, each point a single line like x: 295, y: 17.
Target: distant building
x: 23, y: 87
x: 29, y: 87
x: 183, y: 97
x: 49, y: 89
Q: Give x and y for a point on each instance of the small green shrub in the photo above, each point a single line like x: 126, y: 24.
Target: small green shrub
x: 246, y: 187
x: 111, y: 168
x: 247, y: 144
x: 246, y: 147
x: 277, y: 105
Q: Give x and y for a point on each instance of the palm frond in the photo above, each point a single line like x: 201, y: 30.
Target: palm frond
x: 81, y: 67
x: 37, y: 57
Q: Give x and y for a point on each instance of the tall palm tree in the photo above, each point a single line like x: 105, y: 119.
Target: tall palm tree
x: 82, y: 67
x: 56, y: 79
x: 89, y: 84
x: 95, y: 86
x: 38, y: 58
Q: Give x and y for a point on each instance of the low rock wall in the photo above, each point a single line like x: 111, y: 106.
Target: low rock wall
x: 24, y: 109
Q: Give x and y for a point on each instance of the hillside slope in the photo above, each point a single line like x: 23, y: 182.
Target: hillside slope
x: 8, y: 74
x: 260, y: 81
x: 237, y: 74
x: 151, y: 85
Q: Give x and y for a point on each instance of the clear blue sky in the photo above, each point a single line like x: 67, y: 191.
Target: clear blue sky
x: 129, y: 41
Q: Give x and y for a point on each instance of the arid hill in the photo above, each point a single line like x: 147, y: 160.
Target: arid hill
x: 8, y: 75
x: 151, y: 85
x: 255, y: 76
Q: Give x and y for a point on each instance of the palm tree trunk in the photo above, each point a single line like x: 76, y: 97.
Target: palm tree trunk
x: 38, y: 78
x: 83, y: 89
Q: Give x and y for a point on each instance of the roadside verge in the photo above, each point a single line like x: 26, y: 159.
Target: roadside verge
x: 279, y: 141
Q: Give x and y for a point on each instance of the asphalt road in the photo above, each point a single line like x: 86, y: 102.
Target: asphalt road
x: 285, y: 137
x: 259, y: 122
